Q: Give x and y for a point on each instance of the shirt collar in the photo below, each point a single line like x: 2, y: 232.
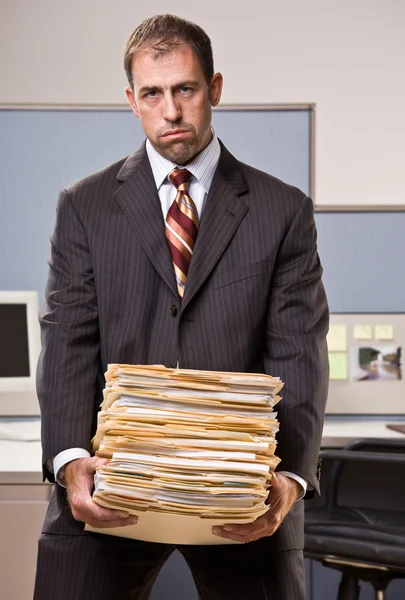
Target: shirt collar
x: 202, y: 166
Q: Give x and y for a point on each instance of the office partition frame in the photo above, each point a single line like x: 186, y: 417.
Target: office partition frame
x: 305, y: 107
x: 310, y: 106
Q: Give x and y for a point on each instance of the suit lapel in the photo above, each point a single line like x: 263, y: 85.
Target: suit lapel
x: 223, y: 213
x: 139, y: 200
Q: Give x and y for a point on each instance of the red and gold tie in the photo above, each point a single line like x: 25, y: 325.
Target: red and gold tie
x: 181, y: 227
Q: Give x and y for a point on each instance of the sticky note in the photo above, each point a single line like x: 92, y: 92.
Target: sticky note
x: 337, y: 338
x: 363, y: 332
x: 338, y: 366
x: 384, y: 332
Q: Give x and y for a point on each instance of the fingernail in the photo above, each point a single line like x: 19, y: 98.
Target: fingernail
x: 132, y: 520
x: 216, y: 530
x: 228, y: 528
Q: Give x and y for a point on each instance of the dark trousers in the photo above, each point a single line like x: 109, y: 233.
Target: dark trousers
x: 98, y: 567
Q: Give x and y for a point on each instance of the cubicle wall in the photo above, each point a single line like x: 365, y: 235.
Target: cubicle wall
x: 42, y: 151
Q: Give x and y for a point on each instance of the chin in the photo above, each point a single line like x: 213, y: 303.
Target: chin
x: 179, y: 153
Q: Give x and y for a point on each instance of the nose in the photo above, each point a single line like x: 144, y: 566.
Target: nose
x: 171, y: 108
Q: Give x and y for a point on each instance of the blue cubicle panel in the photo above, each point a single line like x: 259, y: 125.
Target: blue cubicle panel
x: 43, y: 151
x: 363, y: 258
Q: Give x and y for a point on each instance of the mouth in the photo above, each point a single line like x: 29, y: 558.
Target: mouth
x: 175, y: 133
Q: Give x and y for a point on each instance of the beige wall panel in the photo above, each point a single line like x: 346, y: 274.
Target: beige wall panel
x: 347, y: 57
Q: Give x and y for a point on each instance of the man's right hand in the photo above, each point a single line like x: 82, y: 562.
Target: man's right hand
x: 79, y: 480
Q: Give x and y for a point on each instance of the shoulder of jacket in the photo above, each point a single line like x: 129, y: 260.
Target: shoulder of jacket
x: 272, y: 189
x: 100, y: 177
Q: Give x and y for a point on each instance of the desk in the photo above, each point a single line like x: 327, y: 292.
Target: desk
x: 23, y: 502
x: 24, y: 498
x: 339, y: 432
x: 20, y: 461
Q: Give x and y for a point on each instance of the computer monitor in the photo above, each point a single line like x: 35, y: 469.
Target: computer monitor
x: 20, y: 345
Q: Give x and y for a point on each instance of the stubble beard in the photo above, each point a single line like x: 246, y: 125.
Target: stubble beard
x: 181, y: 153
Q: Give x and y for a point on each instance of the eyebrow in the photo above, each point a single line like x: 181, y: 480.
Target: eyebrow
x: 149, y: 88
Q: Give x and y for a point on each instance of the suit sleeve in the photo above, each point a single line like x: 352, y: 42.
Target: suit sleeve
x: 296, y: 351
x: 69, y: 361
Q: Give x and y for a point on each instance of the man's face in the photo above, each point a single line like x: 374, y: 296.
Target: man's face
x: 173, y: 101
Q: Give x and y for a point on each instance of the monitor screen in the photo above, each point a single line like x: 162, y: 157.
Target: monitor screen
x: 14, y: 353
x: 19, y: 350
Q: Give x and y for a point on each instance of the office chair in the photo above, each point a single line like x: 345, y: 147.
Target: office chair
x: 359, y: 528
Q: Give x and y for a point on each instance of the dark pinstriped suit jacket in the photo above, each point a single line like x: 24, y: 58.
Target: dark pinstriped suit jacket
x: 253, y: 302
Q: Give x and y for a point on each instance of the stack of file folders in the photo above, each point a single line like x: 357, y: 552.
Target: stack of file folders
x: 187, y: 450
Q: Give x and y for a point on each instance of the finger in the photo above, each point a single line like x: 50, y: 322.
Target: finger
x: 100, y: 462
x: 98, y: 518
x: 104, y: 514
x: 252, y: 528
x: 112, y: 523
x: 84, y: 509
x: 278, y: 482
x: 246, y: 530
x: 263, y: 526
x: 220, y: 532
x: 95, y: 462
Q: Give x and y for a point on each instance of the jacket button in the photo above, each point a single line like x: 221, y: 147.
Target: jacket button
x: 173, y: 310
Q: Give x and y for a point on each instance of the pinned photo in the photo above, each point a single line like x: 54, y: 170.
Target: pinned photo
x: 377, y: 363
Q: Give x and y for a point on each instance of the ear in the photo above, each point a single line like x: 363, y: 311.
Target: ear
x: 132, y: 101
x: 216, y: 88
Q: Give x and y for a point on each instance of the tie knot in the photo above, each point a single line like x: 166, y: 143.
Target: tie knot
x: 180, y: 178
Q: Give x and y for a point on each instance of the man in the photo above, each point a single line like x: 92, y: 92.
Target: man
x: 123, y: 288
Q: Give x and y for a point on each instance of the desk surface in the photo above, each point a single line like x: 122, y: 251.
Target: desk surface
x: 20, y: 460
x: 338, y: 433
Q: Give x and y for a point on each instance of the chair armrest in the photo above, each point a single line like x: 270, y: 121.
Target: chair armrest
x: 354, y: 452
x: 356, y: 455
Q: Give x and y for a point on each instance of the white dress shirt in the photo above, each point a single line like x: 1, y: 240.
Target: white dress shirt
x: 202, y: 167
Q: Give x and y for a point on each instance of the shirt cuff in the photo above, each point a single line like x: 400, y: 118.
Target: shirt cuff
x: 64, y: 457
x: 303, y: 483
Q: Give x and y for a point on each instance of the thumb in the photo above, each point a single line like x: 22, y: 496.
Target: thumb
x: 274, y: 479
x: 96, y: 462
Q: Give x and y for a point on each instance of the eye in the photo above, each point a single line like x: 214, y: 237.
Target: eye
x: 151, y: 94
x: 186, y: 88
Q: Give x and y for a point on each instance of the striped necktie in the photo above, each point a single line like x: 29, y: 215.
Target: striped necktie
x: 181, y: 227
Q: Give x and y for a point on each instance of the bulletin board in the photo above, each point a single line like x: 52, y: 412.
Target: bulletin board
x: 366, y: 364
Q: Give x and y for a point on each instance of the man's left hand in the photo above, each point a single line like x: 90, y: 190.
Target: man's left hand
x: 283, y: 493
